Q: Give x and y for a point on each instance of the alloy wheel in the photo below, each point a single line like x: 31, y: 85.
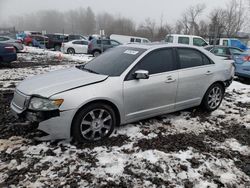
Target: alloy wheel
x: 215, y: 97
x: 96, y: 124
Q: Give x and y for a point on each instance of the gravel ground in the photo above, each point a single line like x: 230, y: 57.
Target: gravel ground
x: 190, y: 148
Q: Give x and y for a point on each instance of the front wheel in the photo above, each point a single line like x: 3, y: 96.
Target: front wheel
x: 71, y: 51
x: 94, y: 122
x: 213, y: 97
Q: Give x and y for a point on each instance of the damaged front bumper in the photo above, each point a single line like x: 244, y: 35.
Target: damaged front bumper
x: 56, y: 123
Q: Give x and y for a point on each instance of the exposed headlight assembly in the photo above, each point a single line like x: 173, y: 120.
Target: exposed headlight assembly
x: 43, y: 104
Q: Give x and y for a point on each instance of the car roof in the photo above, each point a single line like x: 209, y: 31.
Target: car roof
x: 180, y: 35
x: 160, y: 45
x: 211, y: 46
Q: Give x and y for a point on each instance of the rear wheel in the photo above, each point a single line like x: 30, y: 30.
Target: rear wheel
x: 96, y: 53
x: 57, y: 48
x: 71, y: 51
x: 94, y: 122
x: 213, y: 97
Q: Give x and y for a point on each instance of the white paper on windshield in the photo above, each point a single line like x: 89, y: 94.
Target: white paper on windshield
x: 131, y: 52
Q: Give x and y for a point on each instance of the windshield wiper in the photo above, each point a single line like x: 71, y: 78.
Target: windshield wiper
x: 86, y: 69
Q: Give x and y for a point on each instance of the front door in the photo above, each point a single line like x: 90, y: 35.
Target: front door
x: 155, y: 95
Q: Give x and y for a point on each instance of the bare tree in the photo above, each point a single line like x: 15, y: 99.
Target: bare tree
x: 217, y: 24
x: 190, y: 18
x: 147, y: 29
x: 234, y: 17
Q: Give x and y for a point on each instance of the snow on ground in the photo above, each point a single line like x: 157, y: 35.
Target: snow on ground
x: 190, y: 148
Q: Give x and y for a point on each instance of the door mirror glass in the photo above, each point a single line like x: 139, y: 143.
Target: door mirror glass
x: 141, y: 74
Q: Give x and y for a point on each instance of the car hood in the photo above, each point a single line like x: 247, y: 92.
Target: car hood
x: 55, y: 82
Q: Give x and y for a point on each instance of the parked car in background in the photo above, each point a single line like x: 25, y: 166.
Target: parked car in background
x: 240, y: 57
x: 123, y: 85
x: 36, y: 40
x: 7, y: 53
x: 75, y: 46
x: 97, y: 46
x: 186, y: 39
x: 76, y: 37
x: 56, y: 40
x: 124, y: 39
x: 16, y: 43
x: 224, y: 51
x: 231, y: 42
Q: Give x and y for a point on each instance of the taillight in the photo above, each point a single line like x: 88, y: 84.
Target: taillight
x: 9, y: 49
x: 90, y: 45
x: 63, y: 44
x: 246, y: 58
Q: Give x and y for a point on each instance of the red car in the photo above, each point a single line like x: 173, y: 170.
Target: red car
x: 42, y: 40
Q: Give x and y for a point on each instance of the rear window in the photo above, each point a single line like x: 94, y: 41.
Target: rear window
x: 114, y: 61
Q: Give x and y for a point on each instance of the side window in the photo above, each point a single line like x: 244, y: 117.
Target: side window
x: 132, y: 40
x: 98, y: 41
x: 157, y: 62
x: 219, y: 51
x: 183, y: 40
x: 114, y: 43
x: 3, y: 39
x: 145, y: 41
x: 169, y: 39
x: 235, y: 51
x: 199, y: 42
x: 105, y: 42
x: 190, y: 58
x: 85, y: 43
x: 138, y: 40
x: 225, y: 43
x: 77, y: 42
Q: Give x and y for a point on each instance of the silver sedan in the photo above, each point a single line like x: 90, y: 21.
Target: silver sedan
x: 16, y: 43
x: 124, y: 85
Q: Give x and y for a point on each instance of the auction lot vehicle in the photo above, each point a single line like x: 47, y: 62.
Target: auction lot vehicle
x: 97, y: 46
x: 186, y: 39
x: 240, y: 57
x: 123, y: 85
x: 55, y: 41
x: 7, y: 53
x: 128, y: 39
x: 75, y: 46
x: 232, y: 42
x: 16, y: 43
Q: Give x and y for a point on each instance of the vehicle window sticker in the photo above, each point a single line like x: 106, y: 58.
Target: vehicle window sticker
x: 131, y: 52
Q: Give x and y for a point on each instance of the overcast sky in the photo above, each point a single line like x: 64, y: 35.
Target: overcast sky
x: 138, y: 10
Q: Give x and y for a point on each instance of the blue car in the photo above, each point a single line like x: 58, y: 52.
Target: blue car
x: 242, y: 65
x: 7, y: 53
x: 241, y: 58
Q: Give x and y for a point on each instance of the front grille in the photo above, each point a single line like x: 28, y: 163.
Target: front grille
x: 19, y: 100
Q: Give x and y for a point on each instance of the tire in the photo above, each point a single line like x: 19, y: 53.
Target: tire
x: 213, y: 97
x: 70, y: 51
x: 88, y: 125
x: 57, y: 48
x: 96, y: 53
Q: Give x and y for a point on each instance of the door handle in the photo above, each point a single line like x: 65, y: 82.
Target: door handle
x: 170, y: 79
x: 208, y: 73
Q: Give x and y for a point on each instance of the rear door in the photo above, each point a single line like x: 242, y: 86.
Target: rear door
x: 156, y: 95
x: 195, y: 76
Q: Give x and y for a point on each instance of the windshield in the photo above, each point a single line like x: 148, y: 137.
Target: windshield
x: 114, y: 61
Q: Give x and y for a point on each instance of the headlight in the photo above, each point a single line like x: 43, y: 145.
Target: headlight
x: 44, y: 104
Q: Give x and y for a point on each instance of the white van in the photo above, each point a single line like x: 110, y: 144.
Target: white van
x: 186, y: 39
x: 124, y: 39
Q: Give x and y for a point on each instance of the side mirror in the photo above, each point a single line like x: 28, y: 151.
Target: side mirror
x: 141, y: 74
